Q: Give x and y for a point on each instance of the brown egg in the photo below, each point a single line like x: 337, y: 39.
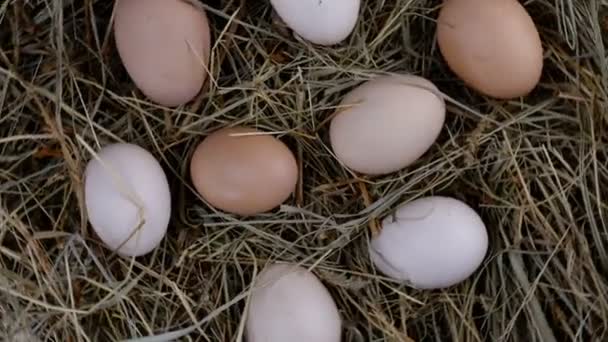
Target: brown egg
x: 245, y: 174
x: 164, y: 46
x: 492, y: 45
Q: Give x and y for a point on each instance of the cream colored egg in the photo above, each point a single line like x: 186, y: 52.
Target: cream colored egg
x: 432, y: 242
x: 290, y: 304
x: 127, y: 199
x: 325, y: 22
x: 387, y: 123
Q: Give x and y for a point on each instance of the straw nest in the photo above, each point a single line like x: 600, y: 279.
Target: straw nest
x: 535, y: 169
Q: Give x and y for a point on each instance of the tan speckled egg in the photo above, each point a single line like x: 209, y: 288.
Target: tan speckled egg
x: 387, y: 123
x: 492, y: 45
x: 242, y: 171
x: 164, y: 46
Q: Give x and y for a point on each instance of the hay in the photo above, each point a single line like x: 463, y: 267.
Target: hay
x: 535, y: 169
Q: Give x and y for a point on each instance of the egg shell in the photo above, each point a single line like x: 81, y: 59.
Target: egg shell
x: 387, y: 123
x: 289, y: 303
x: 164, y: 46
x: 432, y: 242
x: 326, y: 22
x: 243, y: 171
x: 492, y: 45
x: 127, y: 197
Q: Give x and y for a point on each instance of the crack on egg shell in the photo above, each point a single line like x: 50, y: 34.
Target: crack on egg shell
x: 394, y: 216
x: 433, y: 90
x: 402, y: 275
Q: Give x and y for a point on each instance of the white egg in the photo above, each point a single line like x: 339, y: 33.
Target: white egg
x: 290, y: 304
x: 430, y: 243
x: 323, y: 22
x: 127, y: 199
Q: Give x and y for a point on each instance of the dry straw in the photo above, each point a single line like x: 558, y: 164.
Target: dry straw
x: 535, y: 169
